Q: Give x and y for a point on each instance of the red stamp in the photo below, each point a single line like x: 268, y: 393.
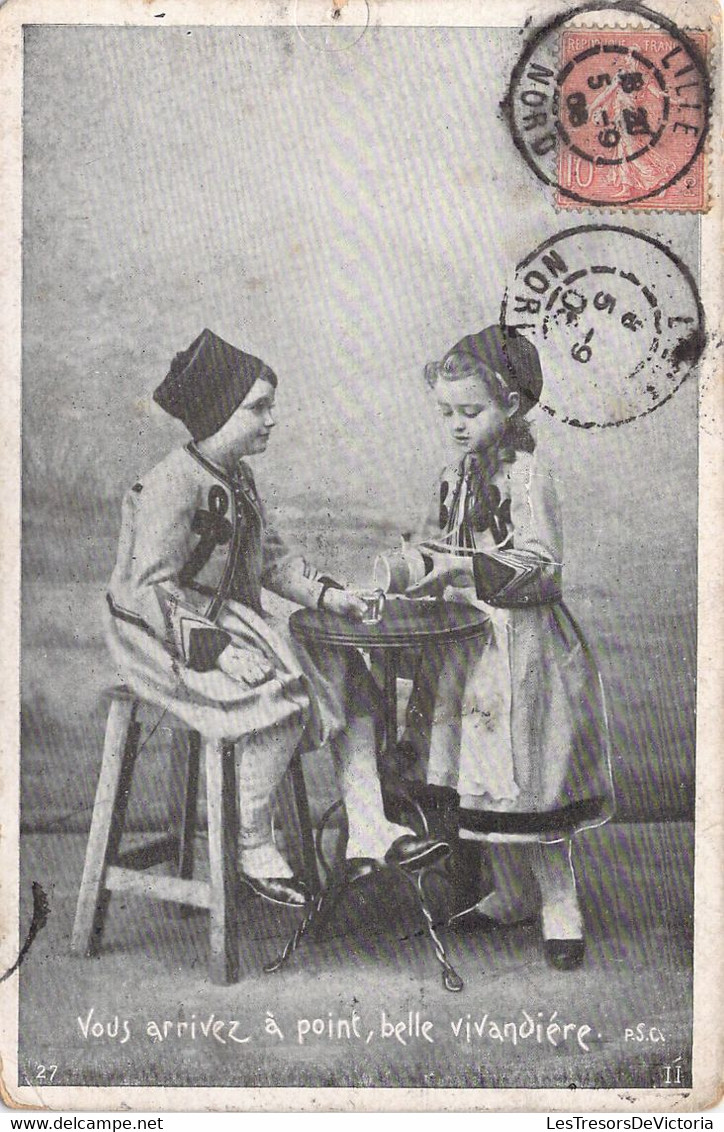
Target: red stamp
x: 614, y: 117
x: 631, y: 110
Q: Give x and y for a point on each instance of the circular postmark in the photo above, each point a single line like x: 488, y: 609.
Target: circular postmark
x: 616, y: 318
x: 331, y: 25
x: 613, y: 115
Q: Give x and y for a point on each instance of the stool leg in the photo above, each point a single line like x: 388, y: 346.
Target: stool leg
x: 184, y: 808
x: 109, y: 815
x: 301, y: 803
x: 183, y: 802
x: 222, y: 819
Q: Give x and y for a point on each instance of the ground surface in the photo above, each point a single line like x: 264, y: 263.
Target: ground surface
x: 376, y: 967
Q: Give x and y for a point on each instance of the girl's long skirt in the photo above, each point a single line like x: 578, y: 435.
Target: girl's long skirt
x: 515, y: 722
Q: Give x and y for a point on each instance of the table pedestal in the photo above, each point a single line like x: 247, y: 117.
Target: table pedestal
x: 406, y: 624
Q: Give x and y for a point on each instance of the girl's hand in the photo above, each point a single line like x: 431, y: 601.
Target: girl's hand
x: 243, y: 666
x: 447, y: 570
x: 344, y: 603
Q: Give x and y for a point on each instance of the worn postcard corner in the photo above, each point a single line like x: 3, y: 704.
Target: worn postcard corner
x: 361, y: 573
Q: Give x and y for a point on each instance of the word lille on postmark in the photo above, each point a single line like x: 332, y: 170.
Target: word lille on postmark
x: 614, y: 117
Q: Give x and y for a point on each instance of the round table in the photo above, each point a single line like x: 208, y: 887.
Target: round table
x: 406, y: 624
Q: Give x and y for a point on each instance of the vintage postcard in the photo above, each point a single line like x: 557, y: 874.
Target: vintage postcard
x: 361, y: 569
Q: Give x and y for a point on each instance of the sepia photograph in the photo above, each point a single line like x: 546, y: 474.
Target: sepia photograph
x: 362, y: 371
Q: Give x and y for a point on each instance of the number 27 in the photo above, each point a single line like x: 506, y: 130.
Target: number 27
x: 43, y: 1073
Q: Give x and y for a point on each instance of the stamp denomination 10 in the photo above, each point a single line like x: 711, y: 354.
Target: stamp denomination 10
x: 614, y: 116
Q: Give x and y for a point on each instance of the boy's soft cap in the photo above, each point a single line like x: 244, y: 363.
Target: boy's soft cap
x: 207, y: 383
x: 508, y: 354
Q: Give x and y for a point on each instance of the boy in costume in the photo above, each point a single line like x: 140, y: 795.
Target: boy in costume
x: 189, y: 633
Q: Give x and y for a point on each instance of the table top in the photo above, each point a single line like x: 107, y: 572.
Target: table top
x: 405, y: 623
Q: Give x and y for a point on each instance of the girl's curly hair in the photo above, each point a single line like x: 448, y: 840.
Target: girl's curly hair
x: 456, y: 366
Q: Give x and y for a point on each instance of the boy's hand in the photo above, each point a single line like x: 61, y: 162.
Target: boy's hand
x: 246, y: 667
x: 447, y: 570
x: 344, y: 603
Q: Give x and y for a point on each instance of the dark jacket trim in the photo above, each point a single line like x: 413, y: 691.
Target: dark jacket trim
x: 205, y: 591
x: 222, y: 590
x: 205, y: 644
x: 221, y: 594
x: 122, y: 614
x: 492, y: 577
x: 214, y: 469
x: 205, y: 648
x: 213, y: 529
x: 326, y: 584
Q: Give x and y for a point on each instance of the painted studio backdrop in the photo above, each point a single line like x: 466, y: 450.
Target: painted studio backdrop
x: 346, y: 221
x: 346, y: 216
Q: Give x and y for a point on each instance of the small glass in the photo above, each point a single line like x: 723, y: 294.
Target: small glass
x: 374, y: 605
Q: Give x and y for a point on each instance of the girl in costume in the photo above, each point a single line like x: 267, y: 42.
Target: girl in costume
x: 514, y: 721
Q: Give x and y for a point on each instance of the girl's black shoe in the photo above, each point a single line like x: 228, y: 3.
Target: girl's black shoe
x: 564, y: 954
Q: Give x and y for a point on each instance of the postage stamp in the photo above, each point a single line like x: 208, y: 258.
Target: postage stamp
x: 613, y: 116
x: 361, y: 565
x: 631, y: 136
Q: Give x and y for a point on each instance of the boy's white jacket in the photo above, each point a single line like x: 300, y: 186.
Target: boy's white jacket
x: 194, y: 552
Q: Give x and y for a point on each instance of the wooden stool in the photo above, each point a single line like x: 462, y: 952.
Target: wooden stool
x: 108, y: 870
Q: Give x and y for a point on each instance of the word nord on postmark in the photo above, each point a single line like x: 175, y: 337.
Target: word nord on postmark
x: 362, y: 728
x: 616, y: 314
x: 614, y: 118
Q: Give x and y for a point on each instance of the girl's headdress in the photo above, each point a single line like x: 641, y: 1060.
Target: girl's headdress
x: 207, y: 383
x: 507, y: 353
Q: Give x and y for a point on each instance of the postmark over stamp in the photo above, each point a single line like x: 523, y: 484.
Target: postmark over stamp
x: 614, y: 117
x: 331, y: 187
x: 616, y: 318
x: 631, y: 110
